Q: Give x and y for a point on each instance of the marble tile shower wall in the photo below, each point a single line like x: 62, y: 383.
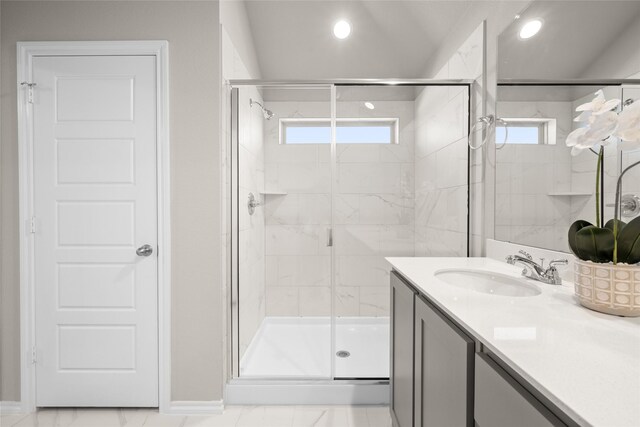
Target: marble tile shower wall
x: 375, y: 211
x: 441, y: 172
x: 251, y: 278
x: 530, y: 179
x: 374, y: 207
x: 441, y: 162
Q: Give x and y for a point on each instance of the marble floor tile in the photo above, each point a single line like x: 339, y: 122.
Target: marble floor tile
x: 378, y: 416
x: 136, y: 417
x: 99, y: 418
x: 48, y: 418
x: 266, y: 416
x: 160, y: 420
x: 233, y: 416
x: 320, y: 416
x: 11, y: 419
x: 229, y: 418
x: 357, y: 416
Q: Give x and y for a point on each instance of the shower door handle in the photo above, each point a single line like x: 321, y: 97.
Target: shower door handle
x: 329, y: 237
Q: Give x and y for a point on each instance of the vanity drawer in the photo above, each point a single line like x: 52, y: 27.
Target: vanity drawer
x: 500, y: 401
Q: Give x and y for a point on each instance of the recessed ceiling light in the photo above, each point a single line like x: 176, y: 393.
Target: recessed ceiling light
x: 530, y: 29
x: 369, y: 105
x: 342, y: 29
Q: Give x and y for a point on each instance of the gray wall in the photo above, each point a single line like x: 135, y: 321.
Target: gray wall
x: 233, y: 17
x: 192, y: 29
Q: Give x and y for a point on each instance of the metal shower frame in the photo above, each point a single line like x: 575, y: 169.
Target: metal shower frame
x: 233, y: 143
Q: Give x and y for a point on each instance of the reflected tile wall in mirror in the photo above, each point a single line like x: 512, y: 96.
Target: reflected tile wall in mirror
x: 540, y: 187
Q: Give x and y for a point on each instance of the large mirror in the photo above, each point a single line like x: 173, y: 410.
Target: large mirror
x: 541, y: 187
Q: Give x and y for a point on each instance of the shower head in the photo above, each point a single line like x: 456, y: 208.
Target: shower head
x: 268, y: 114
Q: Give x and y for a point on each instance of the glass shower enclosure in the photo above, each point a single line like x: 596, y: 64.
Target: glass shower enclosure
x: 328, y: 179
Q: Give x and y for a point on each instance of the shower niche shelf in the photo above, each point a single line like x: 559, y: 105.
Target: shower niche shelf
x: 570, y: 194
x: 271, y: 192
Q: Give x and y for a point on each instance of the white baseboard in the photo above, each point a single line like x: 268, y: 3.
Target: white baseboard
x: 7, y: 407
x: 188, y: 407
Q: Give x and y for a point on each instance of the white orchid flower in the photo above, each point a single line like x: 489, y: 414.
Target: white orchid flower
x: 629, y: 126
x: 598, y: 132
x: 579, y: 141
x: 602, y: 126
x: 583, y: 117
x: 599, y: 105
x: 576, y: 137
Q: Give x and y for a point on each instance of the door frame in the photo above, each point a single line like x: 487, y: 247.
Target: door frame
x: 26, y: 51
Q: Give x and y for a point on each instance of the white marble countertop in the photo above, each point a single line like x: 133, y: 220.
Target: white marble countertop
x: 587, y: 363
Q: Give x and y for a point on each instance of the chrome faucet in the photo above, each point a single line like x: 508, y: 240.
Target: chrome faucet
x: 536, y: 271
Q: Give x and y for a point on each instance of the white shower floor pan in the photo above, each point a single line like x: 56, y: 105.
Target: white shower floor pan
x: 300, y: 348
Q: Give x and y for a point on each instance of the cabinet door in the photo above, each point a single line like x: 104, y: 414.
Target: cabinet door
x: 501, y: 402
x: 402, y: 311
x: 443, y: 370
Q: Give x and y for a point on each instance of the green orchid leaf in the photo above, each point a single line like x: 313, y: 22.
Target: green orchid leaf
x: 594, y: 244
x: 575, y: 227
x: 629, y: 243
x: 609, y: 225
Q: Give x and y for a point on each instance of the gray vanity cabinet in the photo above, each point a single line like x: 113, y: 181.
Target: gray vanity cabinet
x: 402, y: 318
x: 443, y: 393
x: 431, y: 364
x: 439, y: 380
x: 500, y: 401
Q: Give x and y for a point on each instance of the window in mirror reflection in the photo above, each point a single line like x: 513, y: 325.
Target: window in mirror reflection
x: 526, y: 131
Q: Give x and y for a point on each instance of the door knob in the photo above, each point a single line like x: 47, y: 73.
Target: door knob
x: 144, y: 250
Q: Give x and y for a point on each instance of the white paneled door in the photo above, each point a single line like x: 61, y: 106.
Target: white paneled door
x: 95, y: 206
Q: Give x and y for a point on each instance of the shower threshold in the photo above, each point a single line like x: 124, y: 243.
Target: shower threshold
x: 247, y: 391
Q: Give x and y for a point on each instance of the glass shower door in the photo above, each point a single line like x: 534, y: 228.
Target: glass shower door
x: 331, y: 179
x: 374, y: 218
x: 390, y: 200
x: 284, y: 274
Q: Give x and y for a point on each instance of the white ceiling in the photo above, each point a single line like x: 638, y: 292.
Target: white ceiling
x: 574, y: 34
x: 294, y: 39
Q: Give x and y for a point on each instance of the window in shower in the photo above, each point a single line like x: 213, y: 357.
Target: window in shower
x: 348, y: 131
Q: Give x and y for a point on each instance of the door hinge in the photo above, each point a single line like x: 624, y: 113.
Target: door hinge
x: 29, y: 90
x: 329, y: 237
x: 32, y: 225
x: 34, y: 355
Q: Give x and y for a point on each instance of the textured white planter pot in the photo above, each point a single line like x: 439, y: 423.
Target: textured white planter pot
x: 608, y: 288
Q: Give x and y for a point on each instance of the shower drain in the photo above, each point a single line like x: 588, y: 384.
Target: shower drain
x: 343, y: 353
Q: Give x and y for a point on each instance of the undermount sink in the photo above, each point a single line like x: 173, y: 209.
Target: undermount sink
x: 488, y: 282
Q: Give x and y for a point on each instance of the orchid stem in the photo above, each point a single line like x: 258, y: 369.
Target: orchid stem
x: 600, y: 155
x: 617, y: 211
